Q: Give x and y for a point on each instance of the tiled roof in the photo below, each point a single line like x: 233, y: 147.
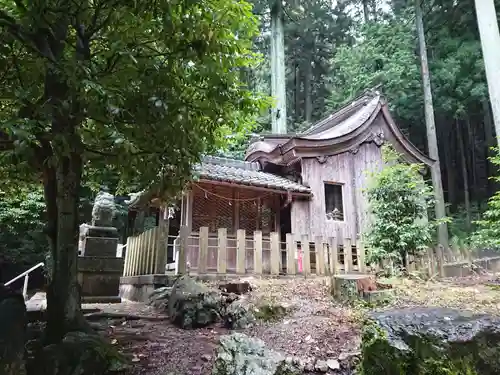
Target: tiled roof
x: 245, y: 173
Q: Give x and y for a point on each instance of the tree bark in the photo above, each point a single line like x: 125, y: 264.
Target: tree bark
x: 62, y: 182
x: 431, y: 129
x: 307, y: 91
x: 366, y: 11
x: 278, y: 89
x: 465, y: 177
x: 450, y: 172
x: 489, y: 137
x: 490, y: 42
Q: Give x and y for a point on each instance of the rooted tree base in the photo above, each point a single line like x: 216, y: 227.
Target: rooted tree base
x: 350, y: 288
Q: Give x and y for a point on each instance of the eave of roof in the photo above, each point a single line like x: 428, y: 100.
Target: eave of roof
x: 336, y: 133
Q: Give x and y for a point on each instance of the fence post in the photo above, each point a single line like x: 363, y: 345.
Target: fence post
x: 203, y: 250
x: 132, y: 257
x: 440, y: 259
x: 126, y: 265
x: 347, y: 255
x: 275, y: 253
x: 150, y: 251
x: 306, y: 255
x: 183, y: 244
x: 360, y: 252
x: 320, y: 257
x: 222, y: 251
x: 161, y: 251
x: 290, y: 254
x: 240, y: 251
x: 257, y: 255
x: 139, y: 244
x: 334, y: 255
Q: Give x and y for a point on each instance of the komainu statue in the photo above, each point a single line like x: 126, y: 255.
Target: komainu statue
x: 104, y: 209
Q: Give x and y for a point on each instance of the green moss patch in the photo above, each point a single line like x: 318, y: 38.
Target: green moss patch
x: 430, y: 342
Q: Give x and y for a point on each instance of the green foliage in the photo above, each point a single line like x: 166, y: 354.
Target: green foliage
x: 22, y: 240
x: 384, y: 55
x: 140, y: 89
x: 488, y: 228
x: 399, y: 201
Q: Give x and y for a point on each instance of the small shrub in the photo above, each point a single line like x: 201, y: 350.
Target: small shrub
x: 488, y: 228
x: 399, y: 200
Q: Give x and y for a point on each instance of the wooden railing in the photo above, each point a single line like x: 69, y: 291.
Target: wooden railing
x: 256, y: 253
x: 145, y: 253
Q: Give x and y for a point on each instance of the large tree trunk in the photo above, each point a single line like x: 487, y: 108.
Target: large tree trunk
x: 366, y: 11
x: 431, y: 130
x: 465, y: 176
x: 62, y: 181
x: 278, y: 76
x: 490, y: 42
x: 450, y: 171
x: 62, y: 184
x: 489, y: 137
x: 307, y: 91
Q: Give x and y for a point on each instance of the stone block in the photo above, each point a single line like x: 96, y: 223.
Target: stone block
x: 100, y: 276
x: 93, y: 231
x: 100, y: 246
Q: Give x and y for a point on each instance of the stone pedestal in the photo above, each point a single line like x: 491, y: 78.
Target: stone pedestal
x: 99, y: 270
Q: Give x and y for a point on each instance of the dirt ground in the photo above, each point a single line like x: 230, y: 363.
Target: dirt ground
x: 316, y: 327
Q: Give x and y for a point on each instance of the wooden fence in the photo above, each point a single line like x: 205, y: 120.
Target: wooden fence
x: 145, y: 254
x: 259, y: 254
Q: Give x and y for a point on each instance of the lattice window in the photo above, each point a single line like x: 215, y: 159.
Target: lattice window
x: 216, y: 206
x: 209, y: 210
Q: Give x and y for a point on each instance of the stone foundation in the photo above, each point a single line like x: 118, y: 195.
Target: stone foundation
x: 463, y: 269
x: 99, y: 276
x: 138, y: 288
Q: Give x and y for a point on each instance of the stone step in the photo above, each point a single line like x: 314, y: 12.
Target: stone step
x: 101, y: 299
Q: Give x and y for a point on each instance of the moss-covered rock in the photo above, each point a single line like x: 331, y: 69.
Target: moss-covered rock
x: 193, y: 304
x: 430, y: 341
x: 239, y: 354
x: 271, y: 312
x: 238, y: 315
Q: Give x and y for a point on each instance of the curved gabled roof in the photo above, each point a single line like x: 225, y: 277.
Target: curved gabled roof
x: 341, y: 131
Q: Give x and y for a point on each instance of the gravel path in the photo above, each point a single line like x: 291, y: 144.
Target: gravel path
x: 314, y: 328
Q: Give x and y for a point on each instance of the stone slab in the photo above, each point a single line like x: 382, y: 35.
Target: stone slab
x: 101, y: 299
x: 93, y: 231
x: 101, y: 264
x: 100, y: 246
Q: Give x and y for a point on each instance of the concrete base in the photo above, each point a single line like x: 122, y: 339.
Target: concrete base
x: 139, y: 288
x: 463, y: 269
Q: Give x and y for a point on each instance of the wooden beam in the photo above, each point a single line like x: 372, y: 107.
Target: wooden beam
x: 252, y: 187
